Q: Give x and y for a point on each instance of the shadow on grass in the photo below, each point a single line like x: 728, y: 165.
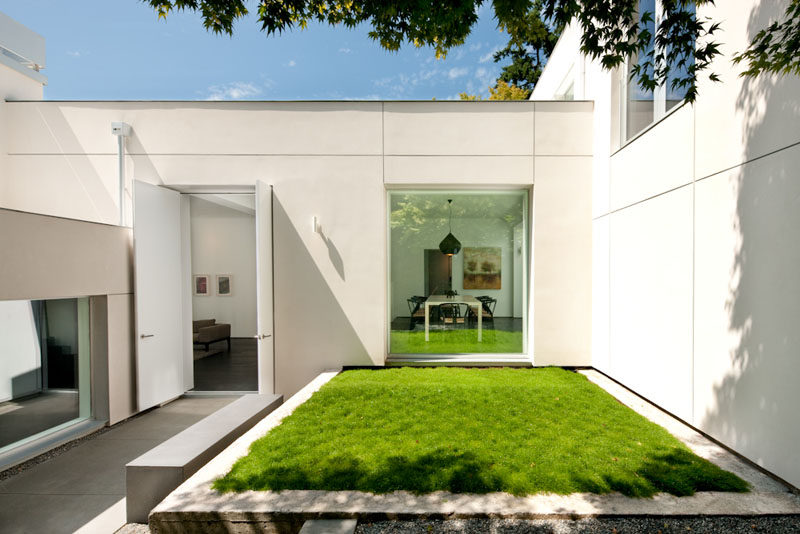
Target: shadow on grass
x: 678, y: 472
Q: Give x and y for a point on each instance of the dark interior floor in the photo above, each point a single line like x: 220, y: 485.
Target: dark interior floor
x: 236, y: 370
x: 20, y: 419
x: 508, y: 324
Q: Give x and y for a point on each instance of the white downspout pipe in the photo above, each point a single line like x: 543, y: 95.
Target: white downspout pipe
x: 121, y: 130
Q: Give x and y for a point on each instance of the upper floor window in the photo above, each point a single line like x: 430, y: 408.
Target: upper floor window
x: 641, y: 107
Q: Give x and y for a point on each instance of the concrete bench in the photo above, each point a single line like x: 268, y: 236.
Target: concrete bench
x: 153, y: 475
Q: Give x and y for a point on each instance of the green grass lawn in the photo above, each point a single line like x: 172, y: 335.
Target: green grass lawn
x: 520, y: 431
x: 455, y: 341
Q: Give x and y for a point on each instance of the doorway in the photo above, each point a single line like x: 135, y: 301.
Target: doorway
x: 438, y: 278
x: 172, y: 292
x: 224, y: 303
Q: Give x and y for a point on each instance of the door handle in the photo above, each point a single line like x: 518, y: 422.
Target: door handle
x: 146, y: 335
x: 262, y: 336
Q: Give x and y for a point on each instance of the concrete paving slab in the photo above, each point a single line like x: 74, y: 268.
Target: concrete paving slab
x: 169, y: 420
x: 83, y: 488
x: 329, y: 526
x: 96, y: 467
x: 195, y: 507
x: 92, y: 468
x: 37, y: 514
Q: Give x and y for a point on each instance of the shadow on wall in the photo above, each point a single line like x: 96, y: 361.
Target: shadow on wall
x: 102, y: 201
x: 313, y: 332
x: 333, y: 254
x: 757, y: 402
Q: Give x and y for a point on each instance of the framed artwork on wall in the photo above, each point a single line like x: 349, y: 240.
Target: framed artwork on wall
x: 482, y: 267
x: 224, y: 285
x: 200, y: 285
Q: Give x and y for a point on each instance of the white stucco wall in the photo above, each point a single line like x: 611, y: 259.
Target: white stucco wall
x: 331, y: 160
x: 695, y: 300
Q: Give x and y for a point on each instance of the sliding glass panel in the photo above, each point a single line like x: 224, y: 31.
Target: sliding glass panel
x: 458, y: 272
x: 44, y: 367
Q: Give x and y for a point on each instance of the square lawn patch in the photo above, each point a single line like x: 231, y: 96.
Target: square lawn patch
x: 520, y: 431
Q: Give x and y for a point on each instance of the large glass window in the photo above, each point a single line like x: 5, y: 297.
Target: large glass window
x: 644, y: 106
x: 458, y: 272
x: 44, y: 367
x: 640, y: 106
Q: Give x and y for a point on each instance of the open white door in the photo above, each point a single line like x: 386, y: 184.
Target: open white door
x: 157, y: 275
x: 266, y: 362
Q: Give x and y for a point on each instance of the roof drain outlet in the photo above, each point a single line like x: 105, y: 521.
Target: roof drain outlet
x: 121, y: 130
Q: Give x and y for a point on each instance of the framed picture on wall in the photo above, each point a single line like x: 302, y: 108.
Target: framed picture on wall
x: 224, y: 287
x: 482, y: 267
x: 200, y: 285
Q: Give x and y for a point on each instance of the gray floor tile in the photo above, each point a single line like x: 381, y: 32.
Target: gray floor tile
x: 95, y: 467
x: 51, y: 514
x: 83, y: 486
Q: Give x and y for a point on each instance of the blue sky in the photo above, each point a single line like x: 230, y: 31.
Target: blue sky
x: 118, y: 49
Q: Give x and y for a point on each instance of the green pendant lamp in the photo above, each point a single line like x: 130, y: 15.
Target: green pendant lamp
x: 450, y: 245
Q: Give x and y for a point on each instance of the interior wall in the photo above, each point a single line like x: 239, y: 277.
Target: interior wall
x: 408, y: 261
x: 20, y: 365
x: 223, y: 242
x: 62, y: 323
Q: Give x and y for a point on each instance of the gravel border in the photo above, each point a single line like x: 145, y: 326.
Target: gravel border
x: 629, y: 525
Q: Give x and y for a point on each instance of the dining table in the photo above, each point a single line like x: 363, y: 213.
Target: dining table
x: 436, y: 300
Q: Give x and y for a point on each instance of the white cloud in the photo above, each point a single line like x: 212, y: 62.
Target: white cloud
x: 292, y: 63
x: 344, y: 50
x: 475, y: 47
x: 232, y: 91
x: 457, y: 72
x: 489, y: 56
x: 74, y: 54
x: 481, y: 73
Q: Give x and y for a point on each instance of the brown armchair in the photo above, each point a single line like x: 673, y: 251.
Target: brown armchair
x: 207, y: 331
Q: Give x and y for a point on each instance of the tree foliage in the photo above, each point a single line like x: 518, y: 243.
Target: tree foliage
x: 501, y: 91
x: 680, y: 48
x: 776, y: 48
x: 531, y: 41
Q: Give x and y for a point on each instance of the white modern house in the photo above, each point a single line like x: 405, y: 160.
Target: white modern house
x: 647, y: 238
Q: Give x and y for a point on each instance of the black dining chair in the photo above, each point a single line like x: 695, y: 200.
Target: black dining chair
x: 416, y: 309
x: 453, y: 314
x: 488, y: 304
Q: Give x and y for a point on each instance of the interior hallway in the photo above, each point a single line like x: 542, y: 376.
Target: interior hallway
x: 83, y: 488
x: 222, y: 370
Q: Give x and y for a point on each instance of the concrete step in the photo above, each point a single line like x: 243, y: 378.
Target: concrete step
x: 152, y: 476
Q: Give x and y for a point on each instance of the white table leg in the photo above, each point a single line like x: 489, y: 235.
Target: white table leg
x: 480, y: 322
x: 427, y: 320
